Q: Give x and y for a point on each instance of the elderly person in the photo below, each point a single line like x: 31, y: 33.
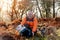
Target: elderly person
x: 28, y: 25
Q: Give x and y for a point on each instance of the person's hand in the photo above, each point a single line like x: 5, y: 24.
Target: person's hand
x: 32, y: 33
x: 21, y: 25
x: 16, y: 32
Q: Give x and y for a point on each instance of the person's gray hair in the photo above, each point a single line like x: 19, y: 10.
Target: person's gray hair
x: 29, y: 11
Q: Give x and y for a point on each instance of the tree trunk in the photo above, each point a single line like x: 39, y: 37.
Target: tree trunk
x: 39, y: 8
x: 53, y: 8
x: 13, y: 9
x: 22, y: 13
x: 16, y: 14
x: 46, y: 13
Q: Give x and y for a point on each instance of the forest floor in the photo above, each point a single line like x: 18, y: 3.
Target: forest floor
x: 52, y: 31
x: 51, y: 36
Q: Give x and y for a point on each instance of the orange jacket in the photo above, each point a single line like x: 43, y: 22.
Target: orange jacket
x: 33, y: 24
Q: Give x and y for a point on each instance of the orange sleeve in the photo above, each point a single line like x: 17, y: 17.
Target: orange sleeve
x: 23, y: 21
x: 35, y: 25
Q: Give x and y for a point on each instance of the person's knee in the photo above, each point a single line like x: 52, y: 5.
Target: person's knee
x: 26, y: 32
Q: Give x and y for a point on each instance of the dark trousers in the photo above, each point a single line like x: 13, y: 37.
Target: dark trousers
x: 27, y: 32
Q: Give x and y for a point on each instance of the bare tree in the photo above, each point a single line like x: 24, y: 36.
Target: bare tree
x: 13, y: 9
x: 24, y: 5
x: 53, y: 8
x: 38, y: 8
x: 46, y: 4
